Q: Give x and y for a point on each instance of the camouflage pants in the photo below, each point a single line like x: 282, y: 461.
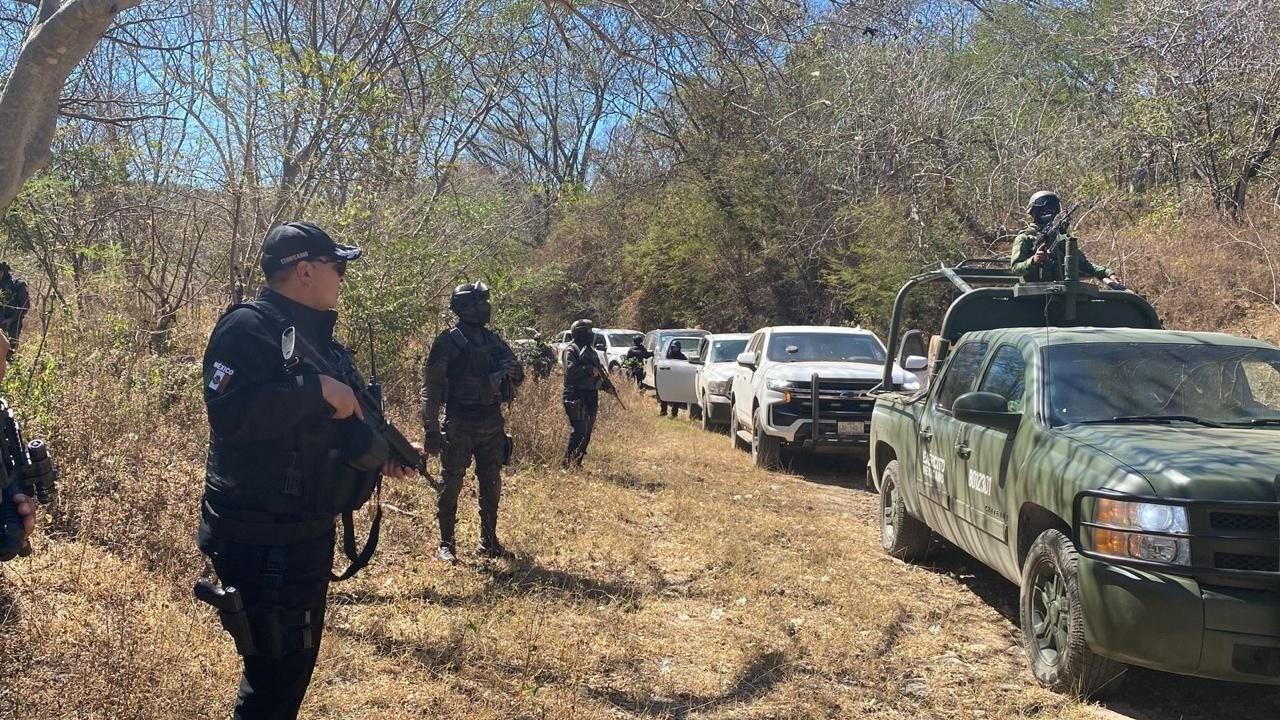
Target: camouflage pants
x: 485, y: 440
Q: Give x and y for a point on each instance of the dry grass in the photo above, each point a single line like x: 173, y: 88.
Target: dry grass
x: 667, y: 580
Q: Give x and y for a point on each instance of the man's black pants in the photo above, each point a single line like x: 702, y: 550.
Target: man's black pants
x: 284, y: 591
x: 582, y: 408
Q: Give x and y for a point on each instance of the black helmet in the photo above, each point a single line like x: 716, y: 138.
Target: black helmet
x: 1044, y: 205
x: 582, y: 331
x: 637, y: 341
x: 675, y: 344
x: 470, y: 302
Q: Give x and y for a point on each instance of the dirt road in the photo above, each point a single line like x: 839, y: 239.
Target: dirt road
x: 668, y: 580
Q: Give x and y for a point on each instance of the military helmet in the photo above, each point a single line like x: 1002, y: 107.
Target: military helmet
x: 582, y: 330
x: 468, y: 294
x: 1044, y: 203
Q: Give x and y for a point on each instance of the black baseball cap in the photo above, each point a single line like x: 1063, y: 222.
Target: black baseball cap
x: 297, y: 241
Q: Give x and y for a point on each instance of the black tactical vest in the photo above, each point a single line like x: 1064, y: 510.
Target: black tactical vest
x: 306, y: 476
x: 476, y: 376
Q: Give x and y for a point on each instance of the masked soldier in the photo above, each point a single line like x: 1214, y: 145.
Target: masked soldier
x: 634, y: 362
x: 584, y: 375
x: 470, y: 371
x: 1038, y: 258
x: 288, y: 453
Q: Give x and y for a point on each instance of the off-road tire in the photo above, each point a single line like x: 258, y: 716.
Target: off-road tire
x: 901, y: 534
x: 695, y: 411
x: 704, y: 415
x: 766, y: 450
x: 734, y: 441
x: 1060, y: 658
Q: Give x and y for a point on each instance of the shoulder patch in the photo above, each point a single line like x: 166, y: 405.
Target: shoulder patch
x: 221, y: 377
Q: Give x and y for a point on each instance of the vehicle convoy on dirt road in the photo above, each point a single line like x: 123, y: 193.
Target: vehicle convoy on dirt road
x: 1125, y: 476
x: 781, y: 373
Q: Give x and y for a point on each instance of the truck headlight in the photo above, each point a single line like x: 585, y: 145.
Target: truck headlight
x: 778, y: 385
x: 718, y: 387
x: 1129, y: 528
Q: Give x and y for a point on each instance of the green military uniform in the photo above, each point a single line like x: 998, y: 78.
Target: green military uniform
x: 1053, y: 269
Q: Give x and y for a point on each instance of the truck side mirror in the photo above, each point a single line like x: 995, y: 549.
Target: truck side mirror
x: 986, y: 409
x: 912, y: 344
x: 915, y: 363
x: 747, y: 360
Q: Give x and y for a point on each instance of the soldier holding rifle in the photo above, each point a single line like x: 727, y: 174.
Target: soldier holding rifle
x: 1039, y: 251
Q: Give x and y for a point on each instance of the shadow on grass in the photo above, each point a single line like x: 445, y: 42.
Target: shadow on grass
x: 524, y: 576
x: 759, y: 677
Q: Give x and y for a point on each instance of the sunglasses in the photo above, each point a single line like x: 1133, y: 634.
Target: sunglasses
x: 339, y: 266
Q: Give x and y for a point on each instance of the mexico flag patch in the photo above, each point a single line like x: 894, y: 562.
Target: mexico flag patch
x: 221, y: 377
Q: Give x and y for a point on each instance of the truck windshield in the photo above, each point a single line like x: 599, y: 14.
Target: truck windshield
x: 828, y: 346
x: 727, y: 350
x: 622, y: 339
x: 1123, y: 382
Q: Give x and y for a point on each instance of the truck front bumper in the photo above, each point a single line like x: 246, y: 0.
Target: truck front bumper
x: 717, y: 409
x: 1173, y: 624
x: 798, y: 433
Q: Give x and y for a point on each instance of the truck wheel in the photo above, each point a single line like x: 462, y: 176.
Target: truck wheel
x: 901, y: 535
x: 1053, y: 621
x: 766, y: 450
x: 735, y: 441
x: 704, y: 416
x: 695, y: 411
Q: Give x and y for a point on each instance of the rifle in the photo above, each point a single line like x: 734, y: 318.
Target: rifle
x: 1053, y: 231
x: 402, y: 451
x: 25, y: 468
x: 608, y: 386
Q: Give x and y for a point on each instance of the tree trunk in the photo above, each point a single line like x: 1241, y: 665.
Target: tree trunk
x: 62, y: 35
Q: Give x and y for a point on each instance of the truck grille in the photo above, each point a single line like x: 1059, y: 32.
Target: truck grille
x: 1241, y: 522
x: 1255, y: 563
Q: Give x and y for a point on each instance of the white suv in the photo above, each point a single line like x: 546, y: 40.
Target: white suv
x: 780, y: 372
x: 717, y: 361
x: 617, y: 341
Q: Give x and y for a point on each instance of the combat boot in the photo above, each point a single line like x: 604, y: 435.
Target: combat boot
x: 489, y: 546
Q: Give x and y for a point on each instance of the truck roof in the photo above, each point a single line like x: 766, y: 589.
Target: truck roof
x: 1042, y: 336
x: 729, y: 336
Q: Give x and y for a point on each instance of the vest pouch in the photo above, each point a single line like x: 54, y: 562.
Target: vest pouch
x: 364, y: 448
x: 336, y: 487
x: 465, y: 390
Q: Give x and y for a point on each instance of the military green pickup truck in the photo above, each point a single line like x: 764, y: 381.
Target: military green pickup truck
x: 1126, y: 477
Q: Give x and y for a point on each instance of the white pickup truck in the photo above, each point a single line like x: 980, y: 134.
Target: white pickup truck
x: 716, y: 363
x: 782, y: 372
x: 674, y: 381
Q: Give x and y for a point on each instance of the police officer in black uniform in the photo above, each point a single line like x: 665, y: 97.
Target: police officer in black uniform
x: 584, y: 375
x: 288, y: 452
x: 14, y: 303
x: 471, y: 372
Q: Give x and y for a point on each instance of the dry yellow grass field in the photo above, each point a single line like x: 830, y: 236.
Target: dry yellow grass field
x: 668, y: 579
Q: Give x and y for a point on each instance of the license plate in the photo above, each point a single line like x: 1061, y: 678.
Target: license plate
x: 851, y: 428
